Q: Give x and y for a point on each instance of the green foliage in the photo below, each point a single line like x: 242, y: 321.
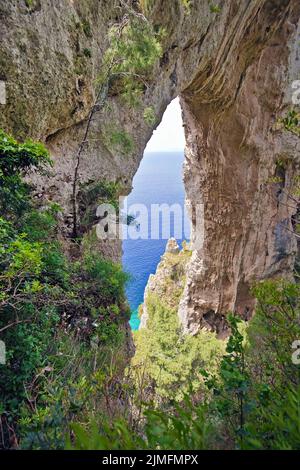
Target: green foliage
x: 274, y: 420
x: 149, y: 116
x: 279, y: 425
x: 146, y: 5
x: 61, y: 320
x: 32, y: 5
x: 62, y: 323
x: 134, y: 49
x: 187, y: 5
x: 231, y: 385
x: 76, y: 390
x: 291, y: 122
x: 26, y: 321
x: 256, y: 395
x: 136, y: 45
x: 170, y: 361
x: 107, y: 436
x: 41, y: 224
x: 274, y: 328
x: 56, y: 299
x: 184, y: 429
x: 17, y: 160
x: 101, y: 191
x: 87, y: 52
x: 121, y: 141
x: 86, y: 28
x: 108, y: 276
x: 254, y: 400
x: 215, y: 9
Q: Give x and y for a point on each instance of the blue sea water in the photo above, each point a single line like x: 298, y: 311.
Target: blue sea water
x: 157, y: 181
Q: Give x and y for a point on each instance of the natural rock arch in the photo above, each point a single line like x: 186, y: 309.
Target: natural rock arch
x: 233, y: 71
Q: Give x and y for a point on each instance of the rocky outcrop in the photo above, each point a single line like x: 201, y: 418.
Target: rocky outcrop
x: 169, y: 279
x: 232, y: 66
x: 172, y: 246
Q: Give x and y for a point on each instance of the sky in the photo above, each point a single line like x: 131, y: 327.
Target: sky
x: 169, y: 136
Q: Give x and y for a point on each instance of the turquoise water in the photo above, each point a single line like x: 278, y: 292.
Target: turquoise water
x: 157, y: 181
x: 134, y: 320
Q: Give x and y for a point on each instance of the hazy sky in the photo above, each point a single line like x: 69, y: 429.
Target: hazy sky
x: 170, y: 134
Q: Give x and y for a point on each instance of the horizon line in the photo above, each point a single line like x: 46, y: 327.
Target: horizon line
x: 164, y: 150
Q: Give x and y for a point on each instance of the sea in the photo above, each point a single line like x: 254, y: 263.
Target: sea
x: 157, y: 181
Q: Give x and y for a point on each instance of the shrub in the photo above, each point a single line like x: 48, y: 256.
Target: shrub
x: 134, y: 49
x: 109, y: 277
x: 186, y: 429
x: 16, y: 160
x: 257, y: 390
x: 274, y: 420
x: 172, y: 361
x: 62, y: 321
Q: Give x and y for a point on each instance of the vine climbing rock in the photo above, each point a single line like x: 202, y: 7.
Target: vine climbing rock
x: 233, y: 67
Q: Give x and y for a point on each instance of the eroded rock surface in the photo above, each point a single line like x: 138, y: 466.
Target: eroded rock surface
x: 169, y: 279
x: 244, y: 230
x: 233, y: 71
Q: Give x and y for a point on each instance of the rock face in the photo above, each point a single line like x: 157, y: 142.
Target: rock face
x: 169, y: 279
x: 244, y: 229
x: 172, y: 246
x: 233, y: 70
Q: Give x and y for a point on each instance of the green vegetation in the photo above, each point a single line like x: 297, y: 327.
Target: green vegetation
x: 276, y: 378
x: 187, y: 5
x: 197, y: 392
x: 257, y: 375
x: 87, y: 52
x: 63, y: 323
x: 215, y: 9
x: 16, y: 161
x: 149, y: 116
x: 146, y: 5
x: 291, y: 122
x: 33, y: 5
x: 169, y: 360
x: 119, y: 140
x: 134, y: 49
x: 251, y: 402
x: 62, y: 320
x: 183, y: 428
x: 86, y: 28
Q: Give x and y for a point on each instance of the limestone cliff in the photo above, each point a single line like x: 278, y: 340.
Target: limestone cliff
x: 168, y: 283
x: 232, y: 66
x: 169, y: 279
